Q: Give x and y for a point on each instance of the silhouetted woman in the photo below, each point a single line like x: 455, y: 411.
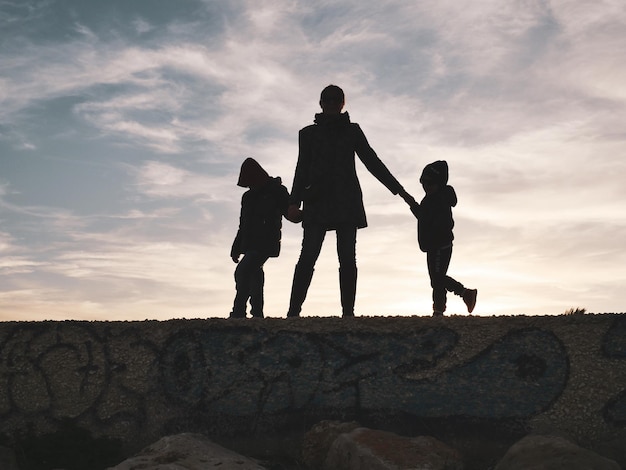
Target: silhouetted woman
x: 326, y: 182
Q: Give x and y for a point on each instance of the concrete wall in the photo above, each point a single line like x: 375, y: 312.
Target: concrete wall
x: 138, y: 381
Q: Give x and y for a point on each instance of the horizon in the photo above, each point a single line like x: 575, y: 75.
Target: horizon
x: 123, y: 128
x: 295, y: 320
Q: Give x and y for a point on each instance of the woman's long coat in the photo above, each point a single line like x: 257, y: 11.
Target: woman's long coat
x: 325, y: 178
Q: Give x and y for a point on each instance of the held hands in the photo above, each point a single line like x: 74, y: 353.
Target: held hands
x: 410, y: 200
x: 294, y: 214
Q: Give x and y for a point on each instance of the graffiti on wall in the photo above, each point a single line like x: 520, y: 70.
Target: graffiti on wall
x: 115, y: 376
x: 248, y: 373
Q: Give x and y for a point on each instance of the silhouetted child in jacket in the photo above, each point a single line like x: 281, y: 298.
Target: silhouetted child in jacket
x: 259, y: 234
x: 434, y: 233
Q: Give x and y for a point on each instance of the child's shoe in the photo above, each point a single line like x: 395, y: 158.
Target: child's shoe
x: 469, y: 297
x: 437, y: 313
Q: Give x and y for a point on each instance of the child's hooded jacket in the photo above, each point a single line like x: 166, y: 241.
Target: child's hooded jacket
x: 262, y: 209
x: 434, y: 213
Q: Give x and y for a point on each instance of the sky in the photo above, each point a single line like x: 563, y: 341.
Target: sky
x: 123, y: 125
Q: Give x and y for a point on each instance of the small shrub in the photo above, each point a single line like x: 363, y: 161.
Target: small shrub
x: 575, y: 311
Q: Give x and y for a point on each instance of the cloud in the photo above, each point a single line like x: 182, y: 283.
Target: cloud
x: 161, y: 180
x: 142, y: 26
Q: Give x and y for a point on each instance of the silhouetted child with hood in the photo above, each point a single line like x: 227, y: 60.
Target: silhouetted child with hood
x: 259, y: 234
x: 434, y: 233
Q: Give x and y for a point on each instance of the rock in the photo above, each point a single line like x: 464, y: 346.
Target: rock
x: 319, y: 438
x: 187, y: 452
x: 613, y: 448
x: 552, y: 453
x: 367, y: 449
x: 7, y: 459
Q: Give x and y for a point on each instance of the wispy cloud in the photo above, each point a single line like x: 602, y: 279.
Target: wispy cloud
x: 167, y: 181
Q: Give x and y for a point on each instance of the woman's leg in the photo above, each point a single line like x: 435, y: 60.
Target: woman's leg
x: 346, y: 252
x: 312, y: 241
